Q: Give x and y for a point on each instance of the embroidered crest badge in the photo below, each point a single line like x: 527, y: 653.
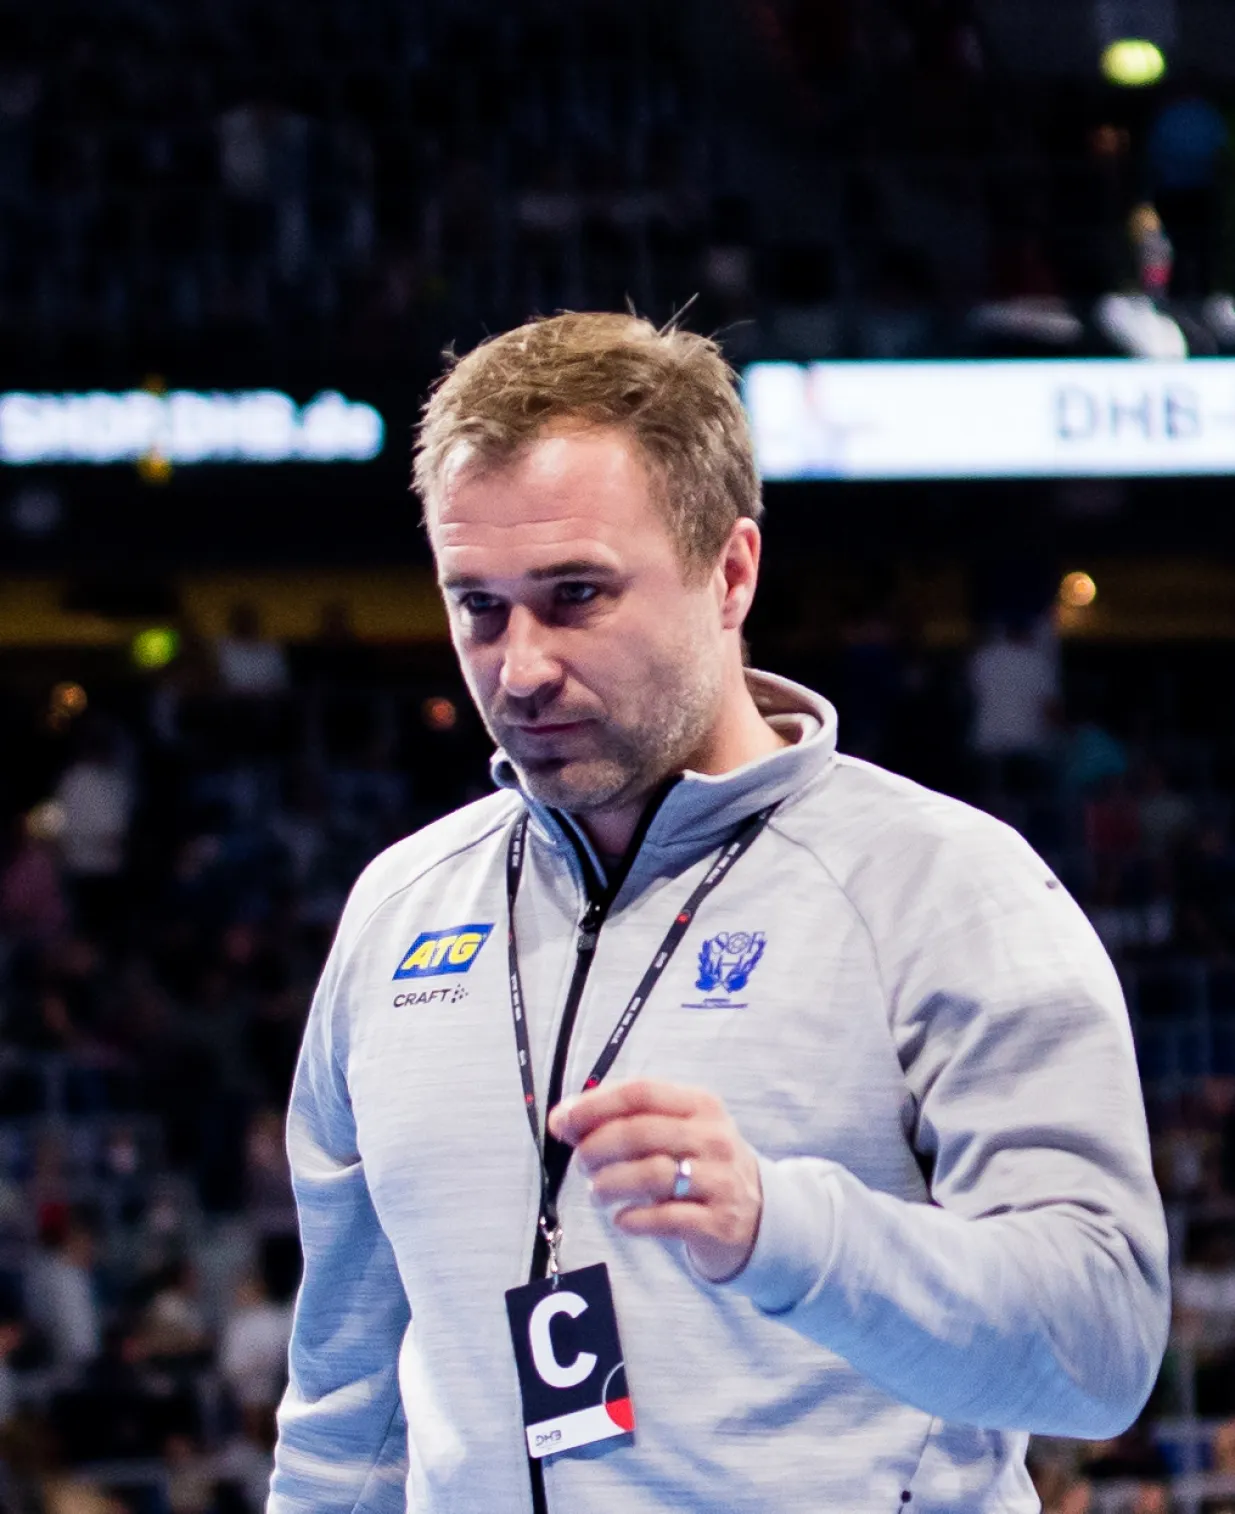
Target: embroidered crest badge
x: 726, y: 961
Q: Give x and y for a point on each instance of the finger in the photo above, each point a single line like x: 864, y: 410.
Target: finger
x: 647, y: 1182
x: 628, y: 1138
x: 580, y: 1113
x: 717, y: 1251
x: 679, y: 1219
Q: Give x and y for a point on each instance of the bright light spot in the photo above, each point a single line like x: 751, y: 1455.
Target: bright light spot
x: 67, y: 700
x: 45, y: 822
x: 1077, y: 591
x: 156, y: 647
x: 154, y: 468
x: 1133, y: 62
x: 440, y: 714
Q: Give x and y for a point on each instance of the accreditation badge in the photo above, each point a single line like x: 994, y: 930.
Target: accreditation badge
x: 572, y: 1376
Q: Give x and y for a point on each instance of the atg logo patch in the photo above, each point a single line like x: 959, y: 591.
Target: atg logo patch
x: 435, y: 952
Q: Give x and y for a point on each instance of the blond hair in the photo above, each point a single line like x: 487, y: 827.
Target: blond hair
x: 670, y: 390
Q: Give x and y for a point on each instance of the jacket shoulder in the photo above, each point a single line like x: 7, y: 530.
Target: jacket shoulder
x: 942, y: 888
x: 410, y: 859
x: 884, y: 837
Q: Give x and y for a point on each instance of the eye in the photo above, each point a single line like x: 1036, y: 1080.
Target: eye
x: 576, y: 593
x: 475, y: 603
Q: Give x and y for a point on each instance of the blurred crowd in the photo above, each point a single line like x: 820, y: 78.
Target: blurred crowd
x: 350, y: 186
x: 179, y: 846
x: 166, y: 901
x: 343, y: 183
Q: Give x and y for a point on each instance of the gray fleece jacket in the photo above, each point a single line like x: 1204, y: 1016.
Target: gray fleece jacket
x: 961, y: 1241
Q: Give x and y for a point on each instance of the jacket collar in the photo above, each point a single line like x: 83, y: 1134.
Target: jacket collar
x: 699, y: 810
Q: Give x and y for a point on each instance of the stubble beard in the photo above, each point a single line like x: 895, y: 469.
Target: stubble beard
x: 627, y: 761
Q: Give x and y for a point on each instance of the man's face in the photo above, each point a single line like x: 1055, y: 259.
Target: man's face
x: 594, y: 662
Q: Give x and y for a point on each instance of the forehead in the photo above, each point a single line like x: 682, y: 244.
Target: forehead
x: 565, y: 495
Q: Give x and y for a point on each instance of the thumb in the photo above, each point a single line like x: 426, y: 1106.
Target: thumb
x: 559, y: 1118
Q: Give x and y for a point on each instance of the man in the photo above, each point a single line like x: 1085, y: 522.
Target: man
x: 861, y: 1158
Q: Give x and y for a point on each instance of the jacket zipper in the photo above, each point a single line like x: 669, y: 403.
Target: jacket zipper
x: 557, y: 1153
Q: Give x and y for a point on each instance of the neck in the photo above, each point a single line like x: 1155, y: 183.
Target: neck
x: 739, y: 735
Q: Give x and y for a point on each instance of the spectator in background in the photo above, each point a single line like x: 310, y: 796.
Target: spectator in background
x: 337, y: 656
x: 1223, y: 1448
x: 268, y: 1177
x: 1203, y: 1290
x: 253, y: 1351
x: 1164, y: 815
x: 60, y: 1291
x: 1112, y: 822
x: 253, y: 1361
x: 71, y: 1496
x: 1060, y: 1490
x: 368, y: 799
x: 1092, y: 756
x: 190, y: 1479
x: 1153, y: 1496
x: 12, y: 1335
x: 1014, y: 685
x: 173, y: 1325
x: 254, y: 680
x: 118, y: 1407
x: 96, y: 796
x: 264, y: 160
x: 32, y: 905
x: 1077, y: 1498
x: 1132, y: 1456
x: 250, y: 665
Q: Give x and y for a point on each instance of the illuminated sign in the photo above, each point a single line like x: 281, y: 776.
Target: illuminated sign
x: 1076, y: 418
x: 183, y: 426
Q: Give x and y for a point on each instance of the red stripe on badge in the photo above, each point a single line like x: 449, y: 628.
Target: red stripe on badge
x: 622, y: 1412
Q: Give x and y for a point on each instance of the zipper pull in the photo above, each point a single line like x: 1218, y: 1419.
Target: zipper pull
x: 589, y: 928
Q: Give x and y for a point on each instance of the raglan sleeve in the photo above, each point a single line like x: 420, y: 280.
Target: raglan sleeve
x: 342, y: 1436
x: 1031, y: 1292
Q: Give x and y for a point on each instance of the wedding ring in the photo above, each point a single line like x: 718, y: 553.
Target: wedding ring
x: 681, y: 1181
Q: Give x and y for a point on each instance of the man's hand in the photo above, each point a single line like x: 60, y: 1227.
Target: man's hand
x: 629, y: 1139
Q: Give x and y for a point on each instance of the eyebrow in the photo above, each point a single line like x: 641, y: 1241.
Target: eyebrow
x: 575, y: 567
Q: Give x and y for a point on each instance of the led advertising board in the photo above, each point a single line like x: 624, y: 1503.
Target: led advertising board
x: 1073, y: 418
x: 184, y: 426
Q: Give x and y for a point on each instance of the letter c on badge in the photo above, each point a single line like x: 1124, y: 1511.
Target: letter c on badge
x: 557, y: 1374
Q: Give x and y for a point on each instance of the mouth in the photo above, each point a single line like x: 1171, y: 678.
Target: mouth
x: 546, y: 728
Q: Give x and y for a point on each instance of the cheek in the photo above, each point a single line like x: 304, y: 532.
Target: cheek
x: 478, y: 665
x: 691, y: 638
x: 674, y: 655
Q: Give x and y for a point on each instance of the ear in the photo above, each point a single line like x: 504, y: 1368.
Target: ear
x: 737, y: 572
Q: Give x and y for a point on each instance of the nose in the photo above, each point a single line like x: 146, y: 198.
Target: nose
x: 528, y: 664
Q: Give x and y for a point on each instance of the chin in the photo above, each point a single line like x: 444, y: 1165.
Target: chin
x: 569, y: 786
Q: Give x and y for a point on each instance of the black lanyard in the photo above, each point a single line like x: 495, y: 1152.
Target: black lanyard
x: 741, y: 842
